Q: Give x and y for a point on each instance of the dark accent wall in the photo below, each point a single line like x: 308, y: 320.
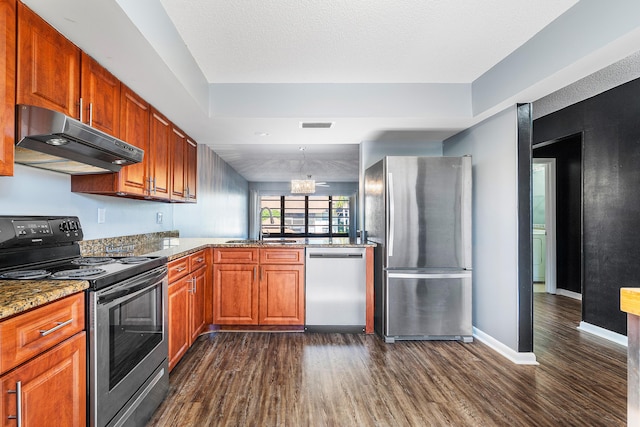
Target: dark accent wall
x: 610, y: 125
x: 568, y: 155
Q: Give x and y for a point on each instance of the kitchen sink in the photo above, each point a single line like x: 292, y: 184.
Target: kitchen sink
x: 262, y: 242
x: 278, y: 242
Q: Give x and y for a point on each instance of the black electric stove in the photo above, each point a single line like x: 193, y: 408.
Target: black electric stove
x: 46, y: 248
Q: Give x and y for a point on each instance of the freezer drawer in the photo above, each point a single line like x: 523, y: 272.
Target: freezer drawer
x: 335, y: 289
x: 428, y: 306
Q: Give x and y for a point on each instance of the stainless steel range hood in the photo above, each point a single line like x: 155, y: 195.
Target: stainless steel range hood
x: 50, y: 140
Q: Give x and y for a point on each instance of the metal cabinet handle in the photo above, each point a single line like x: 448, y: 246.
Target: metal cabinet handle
x: 55, y: 328
x: 80, y: 116
x: 180, y: 269
x: 199, y: 259
x: 18, y: 393
x: 91, y: 114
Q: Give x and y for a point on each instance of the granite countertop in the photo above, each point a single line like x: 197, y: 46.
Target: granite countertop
x: 174, y: 248
x: 17, y: 296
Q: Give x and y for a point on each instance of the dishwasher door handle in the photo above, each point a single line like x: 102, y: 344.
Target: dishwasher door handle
x: 329, y: 255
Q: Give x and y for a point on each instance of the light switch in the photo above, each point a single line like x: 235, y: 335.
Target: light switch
x: 159, y: 218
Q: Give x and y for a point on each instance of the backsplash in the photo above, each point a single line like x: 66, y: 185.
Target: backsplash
x: 126, y: 245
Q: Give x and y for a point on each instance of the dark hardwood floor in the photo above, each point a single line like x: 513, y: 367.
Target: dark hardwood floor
x: 301, y: 379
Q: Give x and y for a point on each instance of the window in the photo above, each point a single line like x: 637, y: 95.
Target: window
x: 305, y: 216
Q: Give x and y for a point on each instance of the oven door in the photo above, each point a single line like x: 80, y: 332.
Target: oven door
x: 127, y: 343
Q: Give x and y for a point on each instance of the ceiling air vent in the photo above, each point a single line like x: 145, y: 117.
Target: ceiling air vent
x: 316, y: 125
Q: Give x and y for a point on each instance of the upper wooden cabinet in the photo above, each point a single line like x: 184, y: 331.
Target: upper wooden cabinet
x: 134, y: 128
x: 158, y: 157
x: 100, y: 100
x: 192, y: 170
x: 184, y: 167
x: 178, y: 170
x: 48, y: 66
x: 7, y: 84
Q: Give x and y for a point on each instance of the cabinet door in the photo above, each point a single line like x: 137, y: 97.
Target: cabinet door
x: 158, y: 160
x: 178, y: 162
x: 235, y: 294
x: 134, y: 129
x: 281, y: 295
x: 198, y: 292
x: 100, y: 94
x: 178, y: 309
x: 192, y: 170
x: 48, y: 66
x: 7, y: 84
x: 53, y: 387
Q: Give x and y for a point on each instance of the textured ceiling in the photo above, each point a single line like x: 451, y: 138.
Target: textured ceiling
x: 356, y: 41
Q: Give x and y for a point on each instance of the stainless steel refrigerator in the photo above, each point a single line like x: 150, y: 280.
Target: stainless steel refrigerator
x: 418, y: 212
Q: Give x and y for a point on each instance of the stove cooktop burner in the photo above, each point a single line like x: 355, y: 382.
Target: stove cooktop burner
x: 93, y: 261
x: 25, y: 275
x: 78, y: 273
x: 134, y: 260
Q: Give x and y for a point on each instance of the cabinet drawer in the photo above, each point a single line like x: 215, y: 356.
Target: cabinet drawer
x: 197, y: 260
x: 28, y: 334
x: 281, y: 256
x: 235, y: 256
x: 178, y: 268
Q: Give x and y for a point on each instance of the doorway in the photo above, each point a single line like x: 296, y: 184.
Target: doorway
x: 567, y: 226
x: 544, y: 224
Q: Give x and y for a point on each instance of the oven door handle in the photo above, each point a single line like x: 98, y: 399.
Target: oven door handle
x: 132, y: 286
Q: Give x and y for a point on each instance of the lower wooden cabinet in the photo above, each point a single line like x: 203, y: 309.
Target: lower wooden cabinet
x: 51, y: 388
x: 43, y: 365
x: 263, y: 288
x: 189, y: 288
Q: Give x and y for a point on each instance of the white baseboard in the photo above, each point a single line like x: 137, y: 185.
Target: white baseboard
x: 570, y: 294
x: 512, y: 355
x: 603, y: 333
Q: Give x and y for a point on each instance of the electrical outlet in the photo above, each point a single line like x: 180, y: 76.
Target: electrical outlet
x: 159, y: 218
x: 102, y: 215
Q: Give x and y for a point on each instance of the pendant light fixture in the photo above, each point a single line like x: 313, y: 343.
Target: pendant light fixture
x: 303, y: 186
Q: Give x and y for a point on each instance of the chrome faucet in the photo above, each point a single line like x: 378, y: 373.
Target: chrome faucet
x: 260, y: 236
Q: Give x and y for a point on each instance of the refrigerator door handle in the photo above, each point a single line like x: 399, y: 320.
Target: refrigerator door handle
x: 392, y: 216
x: 460, y: 275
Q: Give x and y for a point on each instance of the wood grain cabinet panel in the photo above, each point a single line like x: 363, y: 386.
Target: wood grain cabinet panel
x: 281, y: 295
x: 7, y: 84
x: 178, y: 163
x: 178, y: 324
x: 52, y: 387
x: 132, y: 180
x: 158, y: 166
x: 43, y: 365
x: 188, y: 307
x: 100, y: 95
x: 192, y: 170
x: 274, y: 297
x: 235, y: 294
x: 29, y: 334
x: 48, y: 66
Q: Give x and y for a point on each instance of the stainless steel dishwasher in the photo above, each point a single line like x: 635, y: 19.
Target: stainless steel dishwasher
x: 335, y: 289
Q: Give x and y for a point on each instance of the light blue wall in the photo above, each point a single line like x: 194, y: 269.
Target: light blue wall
x: 493, y: 144
x: 223, y: 201
x: 221, y: 207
